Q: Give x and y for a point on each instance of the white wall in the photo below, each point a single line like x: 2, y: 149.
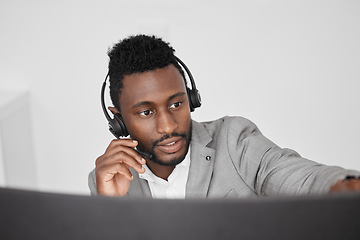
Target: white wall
x: 290, y: 66
x: 17, y: 158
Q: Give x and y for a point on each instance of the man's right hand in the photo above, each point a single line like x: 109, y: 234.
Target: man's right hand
x: 112, y: 168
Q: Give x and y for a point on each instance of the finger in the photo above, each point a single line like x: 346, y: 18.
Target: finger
x: 117, y: 146
x: 107, y: 173
x: 122, y: 142
x: 122, y: 154
x: 123, y: 157
x: 124, y: 172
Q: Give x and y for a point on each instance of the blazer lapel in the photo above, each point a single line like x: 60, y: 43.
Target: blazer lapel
x: 138, y: 187
x: 201, y: 163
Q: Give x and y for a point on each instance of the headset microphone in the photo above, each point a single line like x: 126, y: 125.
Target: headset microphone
x: 117, y: 125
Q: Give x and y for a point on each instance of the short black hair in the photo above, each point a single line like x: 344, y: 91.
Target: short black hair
x: 137, y: 54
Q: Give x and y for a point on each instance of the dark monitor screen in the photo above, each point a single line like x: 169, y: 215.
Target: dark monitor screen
x: 39, y: 215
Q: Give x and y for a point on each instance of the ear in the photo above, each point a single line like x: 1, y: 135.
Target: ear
x: 113, y: 110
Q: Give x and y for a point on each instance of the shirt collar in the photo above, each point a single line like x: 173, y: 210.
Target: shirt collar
x: 151, y: 177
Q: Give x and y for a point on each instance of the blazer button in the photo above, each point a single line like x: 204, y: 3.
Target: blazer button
x: 208, y: 158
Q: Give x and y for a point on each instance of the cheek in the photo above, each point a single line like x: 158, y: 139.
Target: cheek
x: 186, y: 120
x: 142, y: 133
x: 136, y: 128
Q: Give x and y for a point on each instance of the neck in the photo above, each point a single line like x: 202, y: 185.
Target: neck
x: 160, y: 171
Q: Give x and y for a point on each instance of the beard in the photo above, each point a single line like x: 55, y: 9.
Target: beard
x: 176, y: 160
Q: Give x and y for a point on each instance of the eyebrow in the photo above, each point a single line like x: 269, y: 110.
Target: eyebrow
x: 144, y: 103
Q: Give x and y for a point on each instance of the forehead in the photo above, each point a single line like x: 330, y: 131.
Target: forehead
x: 152, y: 86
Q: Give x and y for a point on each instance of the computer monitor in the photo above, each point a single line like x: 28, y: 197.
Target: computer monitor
x: 51, y: 216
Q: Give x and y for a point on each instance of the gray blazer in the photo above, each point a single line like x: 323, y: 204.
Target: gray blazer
x: 231, y: 158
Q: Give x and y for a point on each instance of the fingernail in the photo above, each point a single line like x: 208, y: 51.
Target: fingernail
x: 143, y: 161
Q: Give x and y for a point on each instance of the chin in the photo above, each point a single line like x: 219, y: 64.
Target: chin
x: 170, y: 160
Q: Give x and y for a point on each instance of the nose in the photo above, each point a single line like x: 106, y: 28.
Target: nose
x: 166, y: 123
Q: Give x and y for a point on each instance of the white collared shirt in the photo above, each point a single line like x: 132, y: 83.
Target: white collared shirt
x: 175, y: 186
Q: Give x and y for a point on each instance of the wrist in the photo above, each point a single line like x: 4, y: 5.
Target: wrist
x: 351, y: 177
x: 349, y: 183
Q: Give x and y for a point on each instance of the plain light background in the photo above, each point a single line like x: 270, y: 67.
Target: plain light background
x: 292, y: 67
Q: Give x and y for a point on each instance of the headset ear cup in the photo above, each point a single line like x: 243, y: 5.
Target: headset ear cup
x: 194, y: 99
x: 118, y: 126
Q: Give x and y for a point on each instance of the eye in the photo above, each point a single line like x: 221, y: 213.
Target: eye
x: 175, y: 105
x: 146, y: 113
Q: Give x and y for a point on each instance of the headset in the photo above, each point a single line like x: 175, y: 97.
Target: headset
x: 117, y: 126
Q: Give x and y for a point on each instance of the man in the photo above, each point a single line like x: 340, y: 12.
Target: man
x: 228, y: 157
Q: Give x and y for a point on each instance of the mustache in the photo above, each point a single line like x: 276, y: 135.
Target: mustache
x: 166, y: 136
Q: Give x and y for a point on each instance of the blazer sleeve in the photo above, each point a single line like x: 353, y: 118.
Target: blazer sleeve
x: 271, y: 170
x: 92, y: 182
